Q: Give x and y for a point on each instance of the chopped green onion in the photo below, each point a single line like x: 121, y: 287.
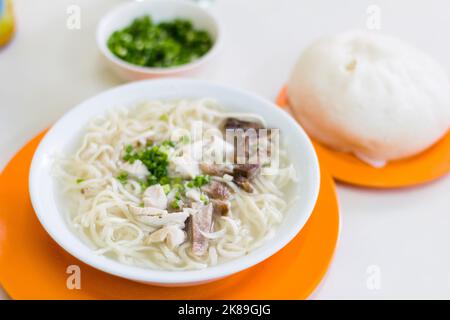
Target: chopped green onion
x: 155, y: 159
x: 129, y: 149
x: 144, y: 184
x: 164, y: 180
x: 201, y: 180
x: 176, y: 204
x: 122, y: 177
x: 168, y: 143
x: 185, y: 139
x: 204, y: 199
x: 166, y: 188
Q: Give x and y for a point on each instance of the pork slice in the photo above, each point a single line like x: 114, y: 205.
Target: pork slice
x: 248, y: 171
x: 217, y: 190
x: 234, y: 123
x: 220, y: 207
x: 243, y: 174
x: 156, y: 217
x: 136, y: 169
x: 248, y: 149
x: 246, y: 141
x: 243, y: 183
x: 154, y: 196
x: 200, y: 221
x: 215, y: 169
x: 173, y: 235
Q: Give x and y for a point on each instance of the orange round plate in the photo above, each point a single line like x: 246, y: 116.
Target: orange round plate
x: 424, y: 167
x: 33, y: 266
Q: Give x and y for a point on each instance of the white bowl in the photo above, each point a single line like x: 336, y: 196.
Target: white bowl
x: 159, y: 10
x: 66, y: 133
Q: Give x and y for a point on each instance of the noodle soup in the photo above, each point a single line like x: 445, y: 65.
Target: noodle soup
x: 177, y: 184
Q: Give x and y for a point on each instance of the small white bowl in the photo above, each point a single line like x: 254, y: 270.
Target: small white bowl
x: 159, y: 10
x: 65, y: 135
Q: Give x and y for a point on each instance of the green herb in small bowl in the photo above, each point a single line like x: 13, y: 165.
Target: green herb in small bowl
x: 165, y: 44
x: 149, y: 39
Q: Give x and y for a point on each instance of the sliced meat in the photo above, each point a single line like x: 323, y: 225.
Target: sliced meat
x: 162, y: 220
x: 136, y: 169
x: 245, y: 139
x: 173, y: 235
x: 220, y: 207
x: 156, y: 217
x: 248, y: 171
x: 200, y: 221
x: 146, y: 211
x: 155, y: 196
x: 194, y: 195
x: 184, y: 166
x: 243, y: 183
x: 243, y: 174
x: 247, y: 146
x: 234, y: 123
x: 217, y: 190
x: 217, y: 170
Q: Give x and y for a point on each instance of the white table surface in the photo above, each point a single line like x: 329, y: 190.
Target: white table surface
x: 400, y: 237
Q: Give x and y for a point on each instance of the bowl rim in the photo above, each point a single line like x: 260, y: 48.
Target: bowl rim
x: 82, y: 252
x: 102, y: 40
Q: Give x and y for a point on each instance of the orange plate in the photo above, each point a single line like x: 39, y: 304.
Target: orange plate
x: 426, y: 166
x: 33, y: 266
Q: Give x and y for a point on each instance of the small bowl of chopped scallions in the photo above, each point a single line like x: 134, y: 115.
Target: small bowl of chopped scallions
x: 157, y: 38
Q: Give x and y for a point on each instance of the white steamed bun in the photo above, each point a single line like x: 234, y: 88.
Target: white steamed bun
x: 371, y: 95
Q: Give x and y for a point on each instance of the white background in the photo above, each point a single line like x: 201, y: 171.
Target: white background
x: 403, y: 234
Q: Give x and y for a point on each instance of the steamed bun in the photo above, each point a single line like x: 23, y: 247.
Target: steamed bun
x: 371, y: 95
